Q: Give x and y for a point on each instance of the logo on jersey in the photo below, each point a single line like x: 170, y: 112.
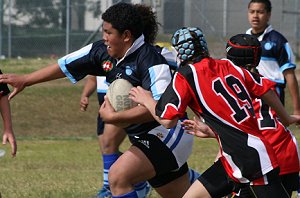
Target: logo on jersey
x: 160, y: 135
x: 128, y: 70
x: 145, y: 143
x: 107, y: 65
x: 269, y: 45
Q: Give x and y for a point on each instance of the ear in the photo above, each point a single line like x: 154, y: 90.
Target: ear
x: 127, y: 36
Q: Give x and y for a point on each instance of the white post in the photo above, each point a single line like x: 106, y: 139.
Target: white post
x: 9, y: 30
x: 67, y: 26
x: 224, y: 18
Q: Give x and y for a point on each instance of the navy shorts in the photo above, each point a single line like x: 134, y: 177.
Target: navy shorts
x: 161, y: 157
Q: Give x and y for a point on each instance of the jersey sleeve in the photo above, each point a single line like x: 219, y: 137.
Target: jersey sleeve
x: 156, y: 73
x: 175, y: 99
x: 284, y: 54
x: 256, y: 84
x: 85, y: 61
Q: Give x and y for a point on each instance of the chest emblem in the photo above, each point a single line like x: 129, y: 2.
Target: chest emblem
x: 107, y: 65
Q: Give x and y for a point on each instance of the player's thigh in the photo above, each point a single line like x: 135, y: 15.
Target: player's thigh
x: 132, y: 167
x: 197, y: 190
x: 112, y: 136
x: 175, y: 188
x: 216, y: 181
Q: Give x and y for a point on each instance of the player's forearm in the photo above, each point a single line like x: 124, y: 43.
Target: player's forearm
x: 89, y: 87
x: 48, y: 73
x: 138, y: 114
x: 273, y: 101
x: 150, y: 105
x: 293, y: 87
x: 5, y: 113
x: 294, y: 91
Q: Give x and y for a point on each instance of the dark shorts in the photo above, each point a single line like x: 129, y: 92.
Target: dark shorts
x: 100, y: 125
x: 217, y: 182
x: 161, y: 157
x: 3, y: 88
x: 274, y: 189
x: 290, y: 182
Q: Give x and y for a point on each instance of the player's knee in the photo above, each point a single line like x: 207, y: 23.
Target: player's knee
x: 117, y: 177
x: 109, y: 148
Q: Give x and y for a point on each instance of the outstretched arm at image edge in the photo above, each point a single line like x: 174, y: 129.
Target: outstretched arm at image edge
x: 19, y: 82
x: 273, y: 101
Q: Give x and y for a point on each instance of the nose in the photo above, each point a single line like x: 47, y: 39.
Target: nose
x: 104, y: 36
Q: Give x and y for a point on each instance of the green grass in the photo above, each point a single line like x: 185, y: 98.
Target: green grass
x: 58, y: 154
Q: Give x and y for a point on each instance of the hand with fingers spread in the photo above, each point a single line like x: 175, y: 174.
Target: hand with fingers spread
x: 198, y: 128
x: 140, y: 95
x: 16, y: 81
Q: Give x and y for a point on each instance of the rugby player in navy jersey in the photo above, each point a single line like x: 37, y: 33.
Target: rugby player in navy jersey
x: 157, y: 154
x: 222, y: 94
x: 278, y: 60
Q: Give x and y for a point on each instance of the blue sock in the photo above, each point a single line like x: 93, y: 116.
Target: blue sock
x: 108, y: 161
x: 131, y: 194
x: 193, y: 175
x: 142, y: 189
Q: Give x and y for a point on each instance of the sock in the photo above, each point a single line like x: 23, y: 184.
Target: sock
x: 131, y: 194
x: 108, y: 161
x: 298, y: 191
x: 142, y: 189
x: 193, y: 175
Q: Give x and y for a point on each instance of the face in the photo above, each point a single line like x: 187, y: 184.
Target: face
x: 116, y: 42
x: 258, y: 17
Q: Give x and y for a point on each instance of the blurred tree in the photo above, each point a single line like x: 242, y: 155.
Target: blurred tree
x: 52, y: 13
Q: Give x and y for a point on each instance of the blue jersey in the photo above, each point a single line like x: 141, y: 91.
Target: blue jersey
x: 141, y: 66
x: 277, y: 55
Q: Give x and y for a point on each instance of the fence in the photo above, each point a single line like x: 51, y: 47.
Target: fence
x: 35, y: 28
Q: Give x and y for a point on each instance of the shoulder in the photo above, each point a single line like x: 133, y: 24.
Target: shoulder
x: 275, y: 36
x: 151, y: 53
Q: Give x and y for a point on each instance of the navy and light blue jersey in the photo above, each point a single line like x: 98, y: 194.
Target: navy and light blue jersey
x: 141, y: 66
x: 277, y: 55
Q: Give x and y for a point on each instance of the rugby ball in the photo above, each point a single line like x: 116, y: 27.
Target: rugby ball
x: 118, y: 96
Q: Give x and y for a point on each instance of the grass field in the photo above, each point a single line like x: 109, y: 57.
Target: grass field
x: 58, y: 154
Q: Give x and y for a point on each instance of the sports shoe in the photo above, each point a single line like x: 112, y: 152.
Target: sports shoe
x: 104, y: 192
x: 144, y: 191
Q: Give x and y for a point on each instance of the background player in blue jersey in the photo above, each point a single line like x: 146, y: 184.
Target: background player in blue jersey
x: 277, y: 61
x: 218, y: 91
x: 157, y: 154
x: 109, y: 141
x: 8, y: 133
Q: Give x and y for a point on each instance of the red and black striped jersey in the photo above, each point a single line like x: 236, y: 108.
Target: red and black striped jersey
x: 222, y: 94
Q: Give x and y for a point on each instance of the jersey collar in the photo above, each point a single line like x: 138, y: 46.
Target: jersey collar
x: 267, y: 30
x: 136, y: 44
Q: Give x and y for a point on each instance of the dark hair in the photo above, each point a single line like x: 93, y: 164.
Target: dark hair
x: 268, y: 5
x: 124, y: 16
x: 150, y: 22
x: 244, y: 50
